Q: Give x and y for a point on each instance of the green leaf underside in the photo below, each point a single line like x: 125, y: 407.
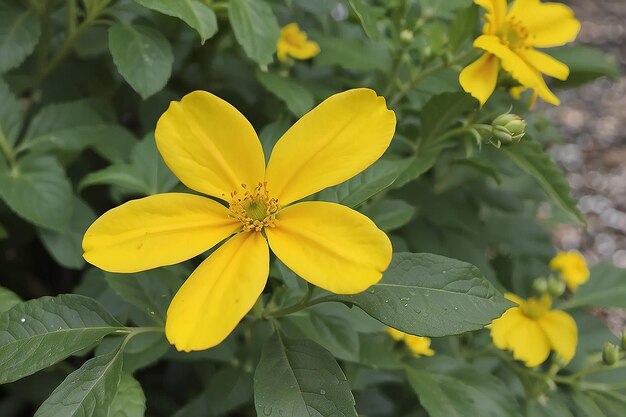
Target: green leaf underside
x: 431, y: 295
x: 366, y: 15
x: 297, y: 98
x: 41, y: 332
x: 297, y: 377
x: 255, y: 27
x: 129, y: 401
x: 19, y: 32
x: 195, y: 13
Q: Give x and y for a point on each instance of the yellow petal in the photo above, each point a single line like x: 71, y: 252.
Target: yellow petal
x: 396, y: 335
x: 512, y: 297
x: 549, y: 24
x: 419, y: 345
x: 333, y: 142
x: 331, y: 246
x: 561, y: 330
x: 545, y: 63
x: 503, y: 326
x: 282, y: 50
x: 480, y: 77
x: 219, y: 293
x: 496, y: 12
x: 517, y: 67
x: 306, y: 50
x: 209, y: 145
x: 162, y: 229
x: 528, y: 342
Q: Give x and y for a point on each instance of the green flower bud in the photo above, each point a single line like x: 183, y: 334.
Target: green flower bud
x: 610, y: 353
x: 406, y: 37
x: 540, y: 286
x: 556, y: 286
x: 508, y: 128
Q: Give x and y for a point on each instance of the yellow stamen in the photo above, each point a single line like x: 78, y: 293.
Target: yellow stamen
x: 535, y: 308
x: 255, y: 209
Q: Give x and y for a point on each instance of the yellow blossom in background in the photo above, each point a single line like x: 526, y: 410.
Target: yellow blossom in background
x: 418, y: 345
x: 294, y: 42
x: 509, y: 40
x: 214, y: 150
x: 572, y: 267
x: 531, y: 330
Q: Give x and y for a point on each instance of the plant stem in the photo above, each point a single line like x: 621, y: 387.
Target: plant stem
x: 7, y: 151
x: 305, y: 302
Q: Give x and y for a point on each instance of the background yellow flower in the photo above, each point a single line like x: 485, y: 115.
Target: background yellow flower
x: 572, y: 267
x: 294, y: 42
x: 418, y: 345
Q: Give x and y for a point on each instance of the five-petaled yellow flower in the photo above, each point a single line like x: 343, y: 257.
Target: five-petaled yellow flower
x: 213, y: 149
x: 509, y: 40
x: 294, y: 42
x: 531, y: 330
x: 418, y: 345
x: 572, y: 267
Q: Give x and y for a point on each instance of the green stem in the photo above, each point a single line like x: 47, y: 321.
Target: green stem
x: 134, y: 331
x: 300, y: 305
x: 7, y: 151
x: 71, y: 17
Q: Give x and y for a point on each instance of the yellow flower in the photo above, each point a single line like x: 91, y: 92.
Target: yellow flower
x: 294, y: 42
x: 509, y: 39
x: 214, y: 150
x: 572, y: 267
x: 532, y: 330
x: 418, y: 345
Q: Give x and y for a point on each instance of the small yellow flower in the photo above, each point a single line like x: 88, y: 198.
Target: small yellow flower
x: 213, y: 149
x: 418, y: 345
x: 294, y: 42
x: 509, y: 40
x: 531, y: 330
x: 572, y: 267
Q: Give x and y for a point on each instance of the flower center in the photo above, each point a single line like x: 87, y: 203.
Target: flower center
x: 254, y: 209
x: 514, y: 35
x: 534, y: 308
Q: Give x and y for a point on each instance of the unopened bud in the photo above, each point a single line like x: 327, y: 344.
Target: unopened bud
x: 406, y: 36
x: 556, y: 286
x: 540, y: 286
x: 508, y: 128
x: 610, y: 353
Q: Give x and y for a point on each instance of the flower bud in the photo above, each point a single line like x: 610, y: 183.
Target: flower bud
x: 406, y: 37
x: 610, y: 353
x: 556, y: 286
x: 508, y: 128
x: 540, y: 286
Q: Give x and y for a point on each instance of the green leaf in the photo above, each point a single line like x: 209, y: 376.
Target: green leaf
x: 19, y: 33
x: 585, y: 63
x: 462, y: 392
x: 129, y: 401
x: 367, y: 16
x: 359, y: 188
x: 195, y: 13
x: 270, y: 134
x: 297, y: 98
x: 606, y: 288
x: 44, y: 331
x: 417, y: 166
x: 255, y: 27
x: 297, y: 377
x: 123, y: 175
x: 530, y: 157
x: 66, y: 246
x: 58, y: 117
x: 352, y: 54
x: 440, y: 112
x: 38, y: 191
x: 390, y: 214
x: 463, y: 27
x: 10, y: 114
x: 155, y: 174
x: 88, y: 391
x: 431, y: 295
x: 150, y: 291
x: 142, y: 55
x: 8, y: 299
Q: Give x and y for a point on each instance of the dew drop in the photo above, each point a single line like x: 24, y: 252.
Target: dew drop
x: 267, y: 410
x: 22, y: 319
x: 405, y: 304
x: 152, y: 312
x: 323, y: 392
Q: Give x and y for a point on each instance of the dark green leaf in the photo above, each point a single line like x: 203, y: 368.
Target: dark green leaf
x: 88, y: 391
x: 38, y: 191
x: 58, y: 117
x: 44, y: 331
x: 352, y: 54
x: 270, y: 134
x: 463, y: 27
x: 8, y: 299
x: 155, y: 174
x: 530, y: 157
x: 585, y: 63
x: 440, y: 112
x: 296, y: 97
x: 195, y: 13
x: 367, y: 16
x: 129, y: 401
x: 431, y: 295
x: 19, y: 33
x: 606, y: 288
x: 123, y: 175
x: 255, y: 27
x: 417, y: 166
x: 10, y: 114
x: 297, y: 377
x: 390, y: 214
x: 142, y: 55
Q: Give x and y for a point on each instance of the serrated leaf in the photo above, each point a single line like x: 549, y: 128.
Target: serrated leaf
x: 606, y: 288
x: 195, y: 13
x: 142, y: 55
x: 88, y: 391
x: 38, y: 191
x: 530, y: 157
x: 297, y: 98
x: 66, y: 246
x: 390, y: 214
x: 10, y: 114
x: 129, y: 401
x: 418, y: 165
x: 359, y: 188
x: 255, y: 27
x: 366, y: 15
x: 41, y: 332
x: 8, y: 299
x: 19, y: 33
x: 297, y: 377
x: 431, y: 295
